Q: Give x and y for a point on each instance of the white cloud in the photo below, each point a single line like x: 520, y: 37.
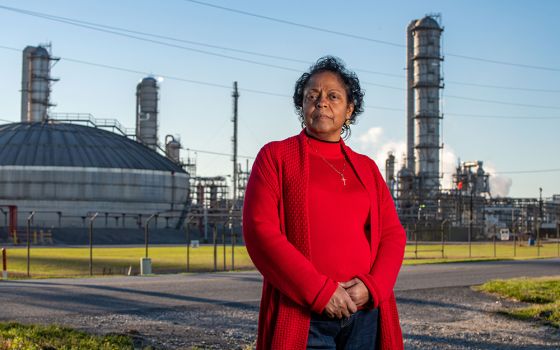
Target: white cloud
x: 372, y: 144
x: 372, y: 137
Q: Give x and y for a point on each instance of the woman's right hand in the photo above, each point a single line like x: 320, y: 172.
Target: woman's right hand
x: 340, y: 305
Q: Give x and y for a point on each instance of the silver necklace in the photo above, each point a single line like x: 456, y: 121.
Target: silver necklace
x: 341, y: 173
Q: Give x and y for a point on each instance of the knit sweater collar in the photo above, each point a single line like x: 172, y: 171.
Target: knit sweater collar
x: 324, y: 148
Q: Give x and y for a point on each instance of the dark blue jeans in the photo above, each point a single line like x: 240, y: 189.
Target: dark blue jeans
x: 359, y: 331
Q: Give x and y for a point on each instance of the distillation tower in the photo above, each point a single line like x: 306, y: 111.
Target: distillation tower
x: 36, y: 83
x: 147, y: 112
x: 419, y: 179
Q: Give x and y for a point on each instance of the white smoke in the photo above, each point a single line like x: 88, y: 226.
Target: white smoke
x: 372, y: 143
x: 499, y: 184
x: 448, y: 167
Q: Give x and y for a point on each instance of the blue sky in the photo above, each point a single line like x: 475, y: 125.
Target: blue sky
x: 515, y: 129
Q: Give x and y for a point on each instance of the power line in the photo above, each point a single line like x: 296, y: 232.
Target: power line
x: 111, y: 30
x: 261, y: 92
x: 528, y: 171
x: 74, y: 21
x: 159, y: 42
x: 306, y: 26
x: 482, y: 116
x: 500, y: 87
x: 217, y: 153
x: 501, y: 102
x: 169, y: 77
x: 385, y: 108
x: 359, y: 37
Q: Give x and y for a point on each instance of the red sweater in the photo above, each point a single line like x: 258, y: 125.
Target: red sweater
x: 338, y: 214
x: 277, y: 235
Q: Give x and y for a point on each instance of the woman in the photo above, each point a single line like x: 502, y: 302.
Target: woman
x: 320, y: 225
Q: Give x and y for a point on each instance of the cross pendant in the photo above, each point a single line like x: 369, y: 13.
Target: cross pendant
x: 343, y: 180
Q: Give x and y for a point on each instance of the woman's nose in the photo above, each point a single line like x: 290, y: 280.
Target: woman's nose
x: 321, y: 101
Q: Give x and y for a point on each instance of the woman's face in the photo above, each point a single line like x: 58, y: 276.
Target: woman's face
x: 325, y: 106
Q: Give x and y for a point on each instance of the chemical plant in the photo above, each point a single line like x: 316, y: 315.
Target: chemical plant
x: 63, y: 171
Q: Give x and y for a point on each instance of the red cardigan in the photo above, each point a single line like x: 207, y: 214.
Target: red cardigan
x: 276, y: 232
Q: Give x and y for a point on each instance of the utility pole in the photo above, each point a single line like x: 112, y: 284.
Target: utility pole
x: 235, y: 96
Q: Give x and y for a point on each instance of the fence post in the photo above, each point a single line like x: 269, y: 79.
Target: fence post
x: 558, y: 239
x: 232, y: 247
x: 91, y: 243
x: 538, y: 237
x: 215, y: 242
x: 416, y: 241
x: 224, y: 244
x: 494, y: 239
x: 188, y: 234
x: 29, y: 242
x: 4, y: 264
x: 515, y: 245
x: 443, y: 238
x: 147, y: 233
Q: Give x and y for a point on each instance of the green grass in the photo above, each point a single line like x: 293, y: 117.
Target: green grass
x: 543, y: 293
x: 48, y: 262
x: 71, y: 262
x: 432, y: 253
x: 14, y: 336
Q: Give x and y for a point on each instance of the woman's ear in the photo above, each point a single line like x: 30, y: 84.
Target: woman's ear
x: 349, y: 110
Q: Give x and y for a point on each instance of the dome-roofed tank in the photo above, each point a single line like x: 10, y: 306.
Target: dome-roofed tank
x: 65, y: 172
x: 71, y: 145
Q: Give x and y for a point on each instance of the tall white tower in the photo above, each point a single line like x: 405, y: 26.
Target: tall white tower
x: 147, y: 112
x: 36, y: 84
x: 426, y: 85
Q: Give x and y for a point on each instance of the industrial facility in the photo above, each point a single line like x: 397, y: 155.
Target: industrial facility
x: 466, y: 211
x: 63, y: 171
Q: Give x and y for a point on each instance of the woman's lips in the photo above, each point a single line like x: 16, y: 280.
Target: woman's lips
x: 323, y: 116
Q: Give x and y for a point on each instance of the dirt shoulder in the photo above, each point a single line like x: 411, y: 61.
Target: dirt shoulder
x: 442, y: 318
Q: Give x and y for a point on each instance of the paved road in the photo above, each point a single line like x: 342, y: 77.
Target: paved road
x: 57, y: 298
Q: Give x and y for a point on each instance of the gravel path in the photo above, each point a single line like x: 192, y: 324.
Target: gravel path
x: 442, y: 318
x: 459, y: 318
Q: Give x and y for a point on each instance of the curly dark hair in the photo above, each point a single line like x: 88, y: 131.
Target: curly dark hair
x: 354, y: 92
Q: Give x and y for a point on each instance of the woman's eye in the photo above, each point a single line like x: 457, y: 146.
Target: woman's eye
x: 311, y: 97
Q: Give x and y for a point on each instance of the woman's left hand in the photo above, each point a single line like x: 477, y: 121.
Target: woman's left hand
x: 357, y: 290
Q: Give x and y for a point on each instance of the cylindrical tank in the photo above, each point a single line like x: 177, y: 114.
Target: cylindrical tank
x: 147, y: 112
x: 35, y: 84
x: 390, y: 173
x: 427, y: 83
x: 172, y: 148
